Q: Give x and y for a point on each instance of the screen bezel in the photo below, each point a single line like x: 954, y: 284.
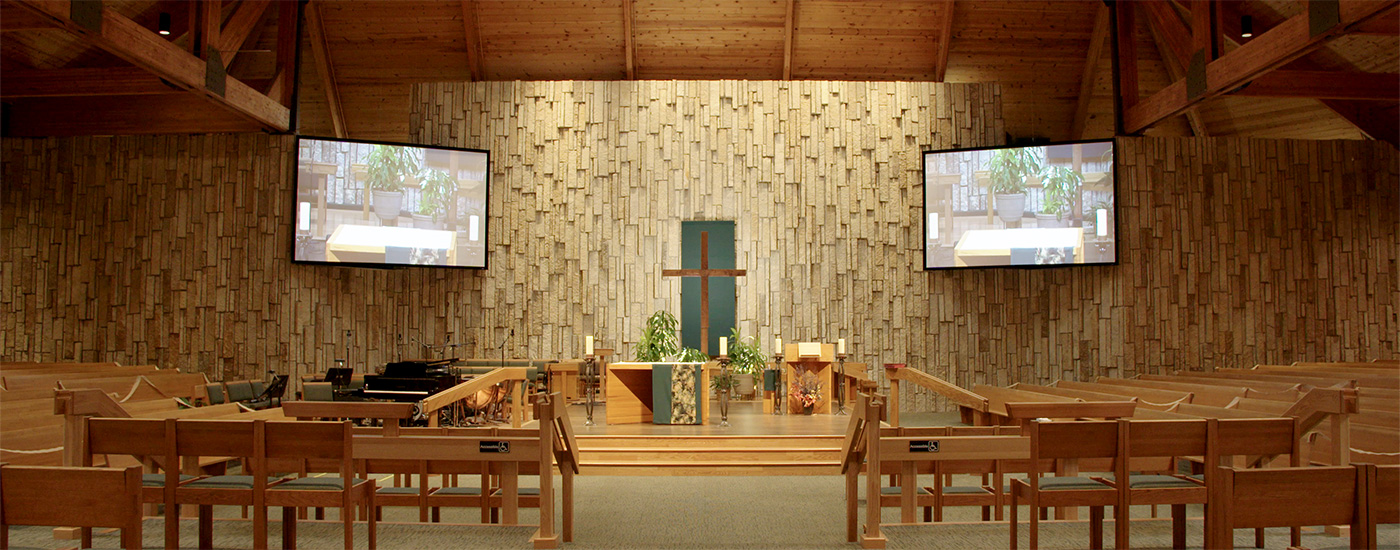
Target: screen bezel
x: 486, y: 214
x: 923, y: 206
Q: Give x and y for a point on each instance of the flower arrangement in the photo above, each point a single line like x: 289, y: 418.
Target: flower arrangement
x: 806, y: 390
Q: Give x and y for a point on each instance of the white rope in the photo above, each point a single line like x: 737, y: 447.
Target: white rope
x: 134, y: 386
x: 1172, y: 404
x: 1280, y: 392
x: 38, y: 452
x: 1372, y: 453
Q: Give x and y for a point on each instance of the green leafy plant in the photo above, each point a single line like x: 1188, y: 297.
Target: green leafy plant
x: 1009, y: 169
x: 438, y: 188
x: 692, y: 355
x: 1061, y: 185
x: 658, y: 339
x: 386, y: 167
x: 745, y: 357
x: 723, y: 381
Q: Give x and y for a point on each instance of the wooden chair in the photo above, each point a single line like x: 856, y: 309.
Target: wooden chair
x: 152, y: 441
x: 317, y: 447
x: 1291, y: 497
x: 1247, y: 442
x: 1150, y: 439
x: 1066, y: 442
x: 399, y: 496
x: 196, y: 438
x: 72, y: 497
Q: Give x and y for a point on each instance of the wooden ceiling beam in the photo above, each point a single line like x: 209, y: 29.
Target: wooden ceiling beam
x: 1286, y: 42
x: 239, y: 28
x: 1205, y: 30
x: 26, y: 83
x: 945, y: 37
x: 1097, y: 39
x: 629, y: 20
x: 472, y: 30
x: 211, y: 19
x: 124, y: 38
x: 789, y: 21
x: 1386, y: 25
x: 1170, y: 30
x: 175, y: 113
x: 321, y: 55
x: 1175, y: 65
x: 1125, y: 63
x: 1325, y: 85
x: 288, y: 38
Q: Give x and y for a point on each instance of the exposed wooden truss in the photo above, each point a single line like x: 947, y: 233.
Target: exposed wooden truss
x: 321, y: 55
x: 1286, y: 42
x: 788, y: 22
x: 629, y: 16
x: 106, y: 29
x: 1097, y: 39
x: 472, y: 31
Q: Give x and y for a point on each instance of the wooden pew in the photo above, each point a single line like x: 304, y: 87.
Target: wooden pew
x: 1383, y: 485
x: 77, y: 497
x: 1159, y: 398
x: 1200, y: 378
x: 1291, y: 497
x: 1215, y: 396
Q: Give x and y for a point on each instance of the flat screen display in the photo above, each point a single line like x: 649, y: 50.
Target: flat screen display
x: 1044, y: 205
x: 376, y: 203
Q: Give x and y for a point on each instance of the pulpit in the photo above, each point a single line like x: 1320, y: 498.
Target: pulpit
x: 820, y: 360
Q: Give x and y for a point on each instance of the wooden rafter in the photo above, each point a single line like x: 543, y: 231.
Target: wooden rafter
x: 789, y: 21
x: 945, y: 37
x: 1097, y: 38
x: 1284, y: 43
x: 1161, y: 23
x: 321, y: 55
x: 239, y: 28
x: 472, y: 31
x: 24, y: 83
x: 629, y: 15
x: 1125, y: 67
x: 147, y: 50
x: 209, y: 19
x: 288, y: 34
x: 1325, y: 85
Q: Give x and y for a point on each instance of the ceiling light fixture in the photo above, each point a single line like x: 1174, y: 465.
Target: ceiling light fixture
x: 1246, y: 26
x: 164, y: 24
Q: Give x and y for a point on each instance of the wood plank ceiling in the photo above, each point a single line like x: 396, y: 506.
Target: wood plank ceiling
x: 362, y: 56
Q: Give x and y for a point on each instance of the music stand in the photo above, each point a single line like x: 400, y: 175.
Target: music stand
x: 339, y: 377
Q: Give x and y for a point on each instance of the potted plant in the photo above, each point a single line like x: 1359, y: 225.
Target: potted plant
x: 746, y: 361
x: 386, y: 168
x: 438, y: 188
x: 1061, y: 185
x: 1009, y: 171
x: 659, y: 342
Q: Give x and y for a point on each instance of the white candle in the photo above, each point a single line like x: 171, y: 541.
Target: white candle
x: 841, y: 345
x: 304, y: 217
x: 1101, y: 222
x: 778, y: 345
x: 723, y: 346
x: 473, y: 225
x: 933, y: 226
x: 588, y: 345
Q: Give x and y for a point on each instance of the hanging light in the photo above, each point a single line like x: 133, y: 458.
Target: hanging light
x: 1246, y: 26
x: 164, y: 24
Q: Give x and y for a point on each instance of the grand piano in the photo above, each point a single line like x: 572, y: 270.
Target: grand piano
x: 408, y: 381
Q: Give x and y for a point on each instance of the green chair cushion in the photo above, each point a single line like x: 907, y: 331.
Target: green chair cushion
x: 896, y: 491
x: 158, y: 480
x: 317, y: 484
x: 226, y: 482
x: 1069, y: 483
x: 469, y: 491
x: 965, y: 490
x: 240, y: 391
x: 1149, y: 481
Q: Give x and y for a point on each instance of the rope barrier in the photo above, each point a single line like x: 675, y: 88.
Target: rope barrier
x: 1372, y: 453
x: 1172, y: 404
x: 134, y: 386
x: 38, y: 452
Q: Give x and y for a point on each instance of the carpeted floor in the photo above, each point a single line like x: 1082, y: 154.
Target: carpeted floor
x: 691, y: 512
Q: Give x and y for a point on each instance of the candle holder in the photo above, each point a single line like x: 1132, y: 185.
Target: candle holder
x: 840, y: 384
x: 590, y: 381
x: 726, y: 383
x: 778, y: 387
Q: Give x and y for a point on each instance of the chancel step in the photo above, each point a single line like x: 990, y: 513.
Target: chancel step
x: 710, y: 455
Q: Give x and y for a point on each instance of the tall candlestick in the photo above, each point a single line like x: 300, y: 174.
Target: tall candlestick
x: 723, y: 346
x: 588, y: 345
x: 841, y: 345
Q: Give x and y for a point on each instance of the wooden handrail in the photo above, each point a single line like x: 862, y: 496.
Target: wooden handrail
x: 469, y: 388
x: 962, y: 397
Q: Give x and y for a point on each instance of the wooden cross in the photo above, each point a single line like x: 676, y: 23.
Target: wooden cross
x: 704, y: 273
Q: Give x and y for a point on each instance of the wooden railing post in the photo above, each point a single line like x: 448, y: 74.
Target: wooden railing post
x: 892, y: 409
x: 545, y: 537
x: 872, y: 538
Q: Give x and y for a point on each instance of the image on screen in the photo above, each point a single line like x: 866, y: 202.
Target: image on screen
x: 1041, y: 205
x: 379, y: 203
